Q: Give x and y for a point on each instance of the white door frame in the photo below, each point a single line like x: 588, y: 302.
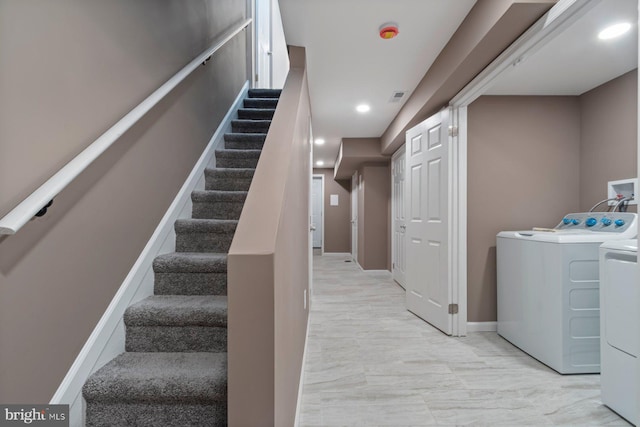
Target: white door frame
x: 555, y: 21
x: 400, y: 151
x: 321, y: 177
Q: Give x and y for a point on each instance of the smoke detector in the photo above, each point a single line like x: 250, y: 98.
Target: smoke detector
x: 389, y: 30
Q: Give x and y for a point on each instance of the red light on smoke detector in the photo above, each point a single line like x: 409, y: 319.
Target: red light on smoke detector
x: 388, y: 31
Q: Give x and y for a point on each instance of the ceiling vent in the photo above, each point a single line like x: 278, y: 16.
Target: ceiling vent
x: 397, y: 96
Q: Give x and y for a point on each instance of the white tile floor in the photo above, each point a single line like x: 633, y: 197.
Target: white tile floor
x: 370, y: 362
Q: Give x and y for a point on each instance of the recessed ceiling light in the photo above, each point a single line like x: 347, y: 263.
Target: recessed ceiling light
x: 319, y: 141
x: 614, y: 31
x: 319, y: 163
x: 363, y: 108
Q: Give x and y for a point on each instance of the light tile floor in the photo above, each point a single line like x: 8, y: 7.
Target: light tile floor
x: 370, y: 362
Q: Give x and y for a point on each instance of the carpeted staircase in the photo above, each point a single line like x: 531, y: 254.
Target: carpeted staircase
x: 174, y: 371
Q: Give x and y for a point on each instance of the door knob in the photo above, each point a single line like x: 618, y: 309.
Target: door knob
x: 313, y: 228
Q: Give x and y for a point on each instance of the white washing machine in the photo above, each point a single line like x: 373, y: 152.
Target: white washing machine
x: 548, y: 288
x: 619, y: 329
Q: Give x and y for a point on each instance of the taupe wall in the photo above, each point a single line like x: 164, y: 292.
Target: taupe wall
x: 337, y: 219
x: 523, y: 171
x: 609, y: 128
x: 533, y: 159
x: 268, y: 268
x: 69, y: 69
x: 374, y: 251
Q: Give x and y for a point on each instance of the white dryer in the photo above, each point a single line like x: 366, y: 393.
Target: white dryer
x: 619, y: 346
x: 548, y: 288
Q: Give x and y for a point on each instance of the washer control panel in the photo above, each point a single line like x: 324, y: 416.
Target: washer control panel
x: 609, y: 222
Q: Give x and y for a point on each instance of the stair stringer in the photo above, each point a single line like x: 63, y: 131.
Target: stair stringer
x: 108, y: 337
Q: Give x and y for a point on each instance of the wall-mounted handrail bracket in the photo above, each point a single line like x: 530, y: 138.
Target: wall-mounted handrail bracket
x: 33, y: 204
x: 206, y: 60
x: 43, y: 211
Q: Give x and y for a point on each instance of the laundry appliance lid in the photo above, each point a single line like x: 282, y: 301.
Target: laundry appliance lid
x: 621, y: 245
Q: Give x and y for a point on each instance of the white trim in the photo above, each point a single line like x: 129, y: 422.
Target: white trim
x: 557, y: 19
x: 321, y: 177
x: 107, y: 339
x: 338, y: 253
x: 26, y: 210
x: 482, y: 326
x: 458, y: 219
x: 296, y: 421
x: 394, y: 157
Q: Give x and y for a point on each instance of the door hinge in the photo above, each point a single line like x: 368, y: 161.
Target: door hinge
x: 453, y: 130
x: 257, y: 77
x: 453, y: 308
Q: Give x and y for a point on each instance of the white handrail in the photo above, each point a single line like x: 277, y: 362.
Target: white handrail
x: 21, y: 214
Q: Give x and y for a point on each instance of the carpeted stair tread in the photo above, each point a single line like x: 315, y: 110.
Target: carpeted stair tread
x: 165, y: 378
x: 178, y: 310
x: 256, y: 113
x: 260, y: 103
x: 245, y: 137
x: 250, y: 126
x: 212, y: 196
x: 190, y: 262
x: 264, y: 93
x: 233, y: 173
x: 192, y: 225
x: 238, y: 154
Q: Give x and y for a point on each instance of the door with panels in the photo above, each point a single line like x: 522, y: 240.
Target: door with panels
x: 398, y: 262
x: 428, y: 290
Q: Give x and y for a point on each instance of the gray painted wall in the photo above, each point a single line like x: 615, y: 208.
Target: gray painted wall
x: 69, y: 69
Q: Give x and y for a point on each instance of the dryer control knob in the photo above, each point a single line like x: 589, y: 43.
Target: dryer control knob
x: 591, y: 222
x: 566, y: 221
x: 619, y: 222
x: 575, y: 221
x: 606, y: 221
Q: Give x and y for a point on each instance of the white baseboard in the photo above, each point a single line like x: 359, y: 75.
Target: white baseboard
x: 482, y: 326
x: 296, y: 422
x: 108, y: 337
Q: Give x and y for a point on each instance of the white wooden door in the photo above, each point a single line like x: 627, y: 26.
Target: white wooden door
x: 354, y: 217
x: 263, y: 43
x: 428, y: 292
x: 316, y: 214
x: 398, y: 266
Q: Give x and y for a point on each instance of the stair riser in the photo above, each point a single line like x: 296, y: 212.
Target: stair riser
x: 256, y: 114
x: 203, y: 242
x: 190, y: 284
x: 264, y: 93
x: 175, y: 339
x: 227, y: 184
x: 260, y: 103
x: 250, y: 127
x: 235, y: 145
x: 217, y: 210
x: 156, y: 414
x: 237, y: 163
